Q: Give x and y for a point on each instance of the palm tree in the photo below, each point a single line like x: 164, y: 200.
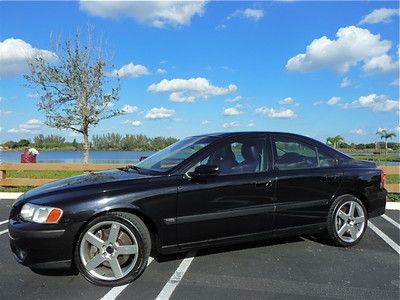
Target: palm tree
x: 335, y: 141
x: 385, y: 135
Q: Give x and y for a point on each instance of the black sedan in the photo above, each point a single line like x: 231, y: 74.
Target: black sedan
x: 203, y: 191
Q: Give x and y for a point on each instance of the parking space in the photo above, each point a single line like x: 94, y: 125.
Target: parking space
x: 292, y: 268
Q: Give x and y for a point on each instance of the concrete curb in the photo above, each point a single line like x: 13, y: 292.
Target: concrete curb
x: 13, y: 196
x: 9, y: 196
x: 393, y: 205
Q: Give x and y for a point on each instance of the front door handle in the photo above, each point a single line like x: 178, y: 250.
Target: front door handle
x: 264, y: 184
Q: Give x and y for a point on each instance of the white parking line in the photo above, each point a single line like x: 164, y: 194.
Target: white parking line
x: 384, y: 237
x: 114, y: 292
x: 390, y: 220
x: 173, y: 282
x: 3, y: 232
x: 3, y: 222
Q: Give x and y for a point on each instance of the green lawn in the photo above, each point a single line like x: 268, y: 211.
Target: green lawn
x: 42, y: 174
x: 377, y: 157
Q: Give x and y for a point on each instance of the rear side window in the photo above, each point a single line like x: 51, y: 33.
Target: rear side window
x: 292, y: 154
x: 325, y: 160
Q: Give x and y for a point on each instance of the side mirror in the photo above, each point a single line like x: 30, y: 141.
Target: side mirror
x: 204, y: 171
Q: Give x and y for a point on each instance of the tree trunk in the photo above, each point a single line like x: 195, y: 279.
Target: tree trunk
x: 86, y: 147
x: 385, y: 147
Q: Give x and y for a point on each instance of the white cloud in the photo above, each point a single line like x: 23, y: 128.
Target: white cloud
x: 358, y: 131
x: 189, y: 90
x: 276, y: 113
x: 74, y: 134
x: 220, y: 27
x: 251, y: 124
x: 159, y: 113
x: 374, y: 102
x: 232, y: 111
x: 5, y: 113
x: 233, y: 100
x: 333, y: 101
x: 352, y: 45
x: 161, y: 71
x: 1, y: 99
x: 381, y: 15
x: 136, y: 123
x: 15, y: 54
x: 395, y: 82
x: 30, y: 126
x: 346, y: 82
x: 286, y: 101
x: 133, y: 123
x: 1, y: 129
x: 128, y: 109
x: 249, y: 13
x: 33, y: 95
x: 131, y: 70
x: 231, y: 124
x: 157, y: 14
x: 205, y: 122
x: 383, y: 63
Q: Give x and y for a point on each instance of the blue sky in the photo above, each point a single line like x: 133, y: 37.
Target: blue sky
x: 314, y: 68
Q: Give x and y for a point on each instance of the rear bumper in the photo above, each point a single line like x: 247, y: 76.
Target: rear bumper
x: 378, y: 204
x: 43, y: 246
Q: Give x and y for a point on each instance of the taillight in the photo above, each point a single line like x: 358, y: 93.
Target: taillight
x: 383, y: 178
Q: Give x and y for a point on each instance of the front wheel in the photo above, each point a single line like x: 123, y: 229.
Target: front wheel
x: 347, y: 221
x: 113, y: 249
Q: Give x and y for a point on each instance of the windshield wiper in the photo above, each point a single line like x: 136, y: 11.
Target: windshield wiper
x: 136, y: 168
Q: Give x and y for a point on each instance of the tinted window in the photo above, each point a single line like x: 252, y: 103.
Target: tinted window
x: 325, y: 160
x: 171, y: 156
x: 242, y: 156
x: 292, y: 154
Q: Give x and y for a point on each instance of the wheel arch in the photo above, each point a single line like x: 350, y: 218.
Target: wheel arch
x: 356, y: 194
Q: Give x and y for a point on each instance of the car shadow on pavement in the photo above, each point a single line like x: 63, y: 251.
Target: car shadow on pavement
x: 56, y: 272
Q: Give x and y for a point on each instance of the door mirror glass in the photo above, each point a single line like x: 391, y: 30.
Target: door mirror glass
x: 204, y: 171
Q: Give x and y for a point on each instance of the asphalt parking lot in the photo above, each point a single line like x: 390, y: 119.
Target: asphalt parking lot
x: 295, y: 268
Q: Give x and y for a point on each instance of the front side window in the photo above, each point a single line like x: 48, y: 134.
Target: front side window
x: 168, y: 158
x: 242, y: 156
x: 292, y: 154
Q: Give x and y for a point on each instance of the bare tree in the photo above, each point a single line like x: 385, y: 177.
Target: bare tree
x: 72, y: 88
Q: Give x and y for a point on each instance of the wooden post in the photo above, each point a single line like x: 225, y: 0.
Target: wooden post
x: 3, y: 174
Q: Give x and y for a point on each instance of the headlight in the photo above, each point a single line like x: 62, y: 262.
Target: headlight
x: 40, y: 214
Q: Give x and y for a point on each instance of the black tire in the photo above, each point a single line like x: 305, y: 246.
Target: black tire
x: 143, y: 239
x: 331, y: 221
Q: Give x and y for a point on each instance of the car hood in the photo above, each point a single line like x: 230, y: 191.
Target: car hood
x: 107, y: 177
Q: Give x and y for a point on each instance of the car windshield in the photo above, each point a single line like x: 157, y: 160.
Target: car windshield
x: 166, y: 159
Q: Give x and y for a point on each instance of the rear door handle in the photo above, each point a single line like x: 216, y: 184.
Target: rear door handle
x: 330, y: 178
x: 264, y: 184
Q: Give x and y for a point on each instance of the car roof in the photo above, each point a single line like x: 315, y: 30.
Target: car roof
x: 238, y: 133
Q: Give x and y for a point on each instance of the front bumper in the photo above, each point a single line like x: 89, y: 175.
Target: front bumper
x: 43, y: 246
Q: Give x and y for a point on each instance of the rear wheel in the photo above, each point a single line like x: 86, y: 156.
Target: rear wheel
x: 113, y: 249
x: 347, y: 221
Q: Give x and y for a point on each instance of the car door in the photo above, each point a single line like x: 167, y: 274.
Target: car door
x: 236, y: 203
x: 307, y: 178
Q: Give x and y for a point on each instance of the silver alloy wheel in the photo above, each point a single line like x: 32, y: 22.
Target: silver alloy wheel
x: 350, y: 221
x: 109, y: 250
